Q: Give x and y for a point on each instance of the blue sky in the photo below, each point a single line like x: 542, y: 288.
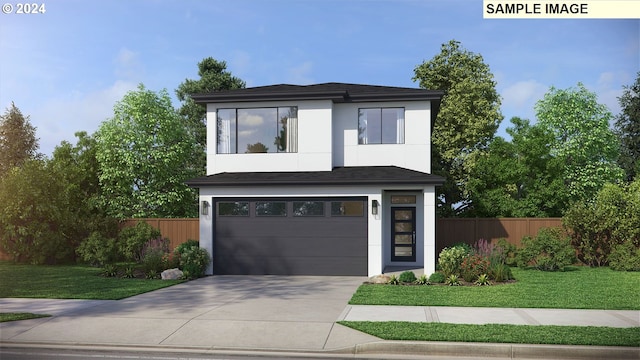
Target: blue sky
x: 67, y: 68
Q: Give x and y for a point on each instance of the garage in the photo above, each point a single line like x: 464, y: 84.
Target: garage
x: 290, y: 236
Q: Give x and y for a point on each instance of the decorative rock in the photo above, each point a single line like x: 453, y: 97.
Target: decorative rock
x: 171, y: 274
x: 379, y: 279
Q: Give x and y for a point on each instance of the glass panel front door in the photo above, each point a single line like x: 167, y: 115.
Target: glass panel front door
x: 403, y: 234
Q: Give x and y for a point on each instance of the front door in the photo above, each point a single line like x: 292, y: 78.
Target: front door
x: 403, y: 234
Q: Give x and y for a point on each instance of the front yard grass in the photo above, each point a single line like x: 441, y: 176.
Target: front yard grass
x: 577, y: 288
x: 4, y: 317
x: 499, y: 333
x: 70, y: 282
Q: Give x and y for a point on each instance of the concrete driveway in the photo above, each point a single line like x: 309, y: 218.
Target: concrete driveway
x: 218, y: 312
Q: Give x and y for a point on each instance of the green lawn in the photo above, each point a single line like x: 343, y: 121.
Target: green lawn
x: 69, y: 282
x: 4, y: 317
x: 578, y: 288
x: 494, y: 333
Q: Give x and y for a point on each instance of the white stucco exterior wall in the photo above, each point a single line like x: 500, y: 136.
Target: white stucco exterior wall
x: 429, y: 230
x: 314, y: 141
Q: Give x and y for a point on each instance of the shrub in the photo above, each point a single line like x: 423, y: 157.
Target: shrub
x: 194, y: 261
x: 98, y: 250
x: 171, y: 260
x: 422, y: 280
x: 508, y: 252
x: 407, y: 277
x: 151, y: 274
x: 436, y: 278
x: 132, y: 240
x: 549, y: 251
x: 129, y: 272
x: 473, y: 266
x: 625, y: 257
x: 500, y: 272
x: 483, y: 280
x: 451, y: 258
x: 452, y: 280
x: 393, y: 280
x: 597, y: 226
x: 109, y: 270
x: 185, y: 245
x: 153, y: 253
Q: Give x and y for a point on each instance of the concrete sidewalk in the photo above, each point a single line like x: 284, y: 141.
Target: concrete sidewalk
x: 274, y: 313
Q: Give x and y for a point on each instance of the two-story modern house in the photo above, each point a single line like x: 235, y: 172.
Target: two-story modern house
x: 325, y: 179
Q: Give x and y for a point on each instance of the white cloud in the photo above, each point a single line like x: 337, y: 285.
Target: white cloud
x: 251, y: 120
x: 59, y: 118
x: 523, y: 94
x: 128, y: 65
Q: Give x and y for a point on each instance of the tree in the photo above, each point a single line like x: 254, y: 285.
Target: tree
x: 519, y: 178
x: 628, y: 130
x: 213, y: 76
x: 468, y: 119
x: 36, y: 221
x: 144, y: 152
x: 18, y: 140
x: 581, y: 139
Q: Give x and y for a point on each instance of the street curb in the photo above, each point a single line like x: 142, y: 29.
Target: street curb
x: 497, y: 350
x: 397, y: 349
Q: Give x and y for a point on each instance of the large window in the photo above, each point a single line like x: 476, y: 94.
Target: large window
x: 257, y: 130
x: 381, y: 126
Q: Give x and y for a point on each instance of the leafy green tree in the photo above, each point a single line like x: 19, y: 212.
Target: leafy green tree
x: 468, y: 119
x: 18, y: 141
x: 213, y: 76
x: 144, y: 152
x: 519, y: 178
x: 581, y: 139
x: 36, y: 221
x: 628, y: 130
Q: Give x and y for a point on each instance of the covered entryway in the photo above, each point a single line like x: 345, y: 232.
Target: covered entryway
x: 290, y: 236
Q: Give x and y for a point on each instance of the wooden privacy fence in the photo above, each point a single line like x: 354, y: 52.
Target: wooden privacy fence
x: 452, y: 231
x: 449, y: 231
x: 177, y: 230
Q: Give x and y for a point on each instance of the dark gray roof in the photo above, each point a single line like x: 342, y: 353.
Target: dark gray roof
x: 356, y: 175
x: 336, y: 92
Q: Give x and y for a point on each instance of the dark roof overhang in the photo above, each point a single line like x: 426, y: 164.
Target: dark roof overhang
x: 357, y: 175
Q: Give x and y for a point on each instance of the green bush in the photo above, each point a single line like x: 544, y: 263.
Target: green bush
x: 451, y: 258
x: 625, y: 257
x: 500, y: 272
x: 473, y: 266
x: 193, y: 261
x: 597, y: 226
x: 508, y: 252
x: 185, y: 245
x: 549, y: 251
x: 132, y: 240
x: 407, y: 277
x: 153, y: 254
x: 436, y: 278
x: 98, y: 250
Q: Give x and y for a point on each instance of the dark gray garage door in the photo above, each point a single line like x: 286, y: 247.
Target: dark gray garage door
x: 306, y: 236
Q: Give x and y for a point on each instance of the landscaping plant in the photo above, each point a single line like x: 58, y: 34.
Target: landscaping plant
x: 625, y: 257
x: 132, y: 240
x: 451, y: 258
x: 436, y: 278
x: 452, y: 280
x: 407, y: 277
x: 393, y: 280
x: 194, y: 261
x: 483, y: 280
x: 473, y: 266
x: 422, y: 280
x: 98, y: 250
x: 550, y: 250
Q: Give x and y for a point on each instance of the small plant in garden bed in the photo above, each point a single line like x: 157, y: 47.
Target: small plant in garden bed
x: 452, y: 280
x: 436, y: 278
x: 422, y: 280
x: 393, y: 280
x: 129, y: 272
x: 483, y: 280
x: 407, y: 277
x: 109, y: 270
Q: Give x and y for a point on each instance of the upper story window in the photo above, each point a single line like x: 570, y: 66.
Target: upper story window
x: 381, y: 126
x: 257, y: 130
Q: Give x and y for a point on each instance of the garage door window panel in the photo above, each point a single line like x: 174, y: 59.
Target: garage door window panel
x: 271, y: 208
x: 233, y: 208
x: 347, y: 208
x: 308, y: 208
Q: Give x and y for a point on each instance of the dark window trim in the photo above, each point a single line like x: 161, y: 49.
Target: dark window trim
x: 404, y: 112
